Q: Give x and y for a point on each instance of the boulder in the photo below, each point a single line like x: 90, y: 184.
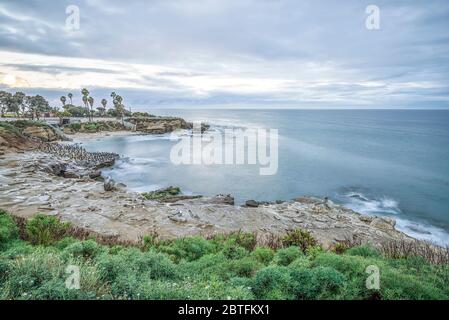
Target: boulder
x: 252, y: 203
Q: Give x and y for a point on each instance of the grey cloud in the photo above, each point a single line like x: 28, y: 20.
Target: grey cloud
x: 266, y: 39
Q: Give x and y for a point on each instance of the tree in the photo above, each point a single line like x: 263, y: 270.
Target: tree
x: 118, y: 105
x: 63, y: 100
x: 5, y: 102
x: 15, y: 102
x: 70, y: 95
x: 19, y: 98
x: 37, y: 105
x: 91, y: 104
x: 85, y: 94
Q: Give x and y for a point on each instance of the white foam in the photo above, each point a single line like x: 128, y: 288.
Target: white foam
x: 359, y: 202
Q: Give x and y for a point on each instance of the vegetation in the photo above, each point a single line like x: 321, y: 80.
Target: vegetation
x: 22, y: 106
x: 229, y: 266
x: 161, y: 193
x: 96, y: 126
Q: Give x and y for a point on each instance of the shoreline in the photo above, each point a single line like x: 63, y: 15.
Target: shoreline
x: 128, y: 216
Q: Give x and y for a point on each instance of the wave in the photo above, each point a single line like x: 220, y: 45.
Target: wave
x: 369, y: 205
x: 359, y: 202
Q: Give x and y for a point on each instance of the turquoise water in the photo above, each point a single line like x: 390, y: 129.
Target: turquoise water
x: 384, y: 162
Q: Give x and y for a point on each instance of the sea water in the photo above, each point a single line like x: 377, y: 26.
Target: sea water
x: 377, y: 162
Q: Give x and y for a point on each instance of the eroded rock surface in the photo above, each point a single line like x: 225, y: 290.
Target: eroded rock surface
x: 26, y: 189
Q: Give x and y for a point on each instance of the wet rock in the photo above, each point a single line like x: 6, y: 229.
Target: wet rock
x: 252, y: 203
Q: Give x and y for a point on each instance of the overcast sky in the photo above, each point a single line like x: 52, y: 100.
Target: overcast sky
x: 231, y: 53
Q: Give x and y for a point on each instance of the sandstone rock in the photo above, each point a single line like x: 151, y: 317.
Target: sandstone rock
x: 222, y: 199
x: 43, y: 132
x: 161, y: 125
x: 385, y: 223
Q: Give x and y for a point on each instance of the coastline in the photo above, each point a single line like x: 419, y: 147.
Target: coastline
x: 127, y: 216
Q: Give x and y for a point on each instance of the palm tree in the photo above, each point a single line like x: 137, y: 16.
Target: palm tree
x: 85, y: 94
x: 63, y: 100
x: 70, y: 97
x: 104, y: 102
x: 91, y: 103
x: 119, y: 107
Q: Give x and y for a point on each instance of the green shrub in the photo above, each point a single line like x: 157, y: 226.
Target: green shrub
x: 134, y: 262
x: 65, y: 242
x: 191, y: 248
x: 232, y: 250
x: 28, y: 274
x: 15, y: 249
x: 263, y: 255
x: 8, y: 228
x: 45, y: 230
x: 317, y: 283
x: 300, y: 238
x: 286, y: 256
x: 84, y: 249
x: 245, y: 267
x: 75, y: 126
x: 363, y: 251
x: 271, y: 283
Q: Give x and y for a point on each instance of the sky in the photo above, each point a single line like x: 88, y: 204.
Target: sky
x: 229, y: 53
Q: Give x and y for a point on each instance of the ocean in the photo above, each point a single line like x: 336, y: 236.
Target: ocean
x: 377, y: 162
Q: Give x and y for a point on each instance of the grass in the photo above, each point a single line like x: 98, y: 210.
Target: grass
x: 34, y: 255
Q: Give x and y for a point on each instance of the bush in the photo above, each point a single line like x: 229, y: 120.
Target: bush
x: 191, y: 248
x: 232, y: 250
x: 300, y: 238
x: 8, y: 228
x: 263, y: 255
x: 45, y: 230
x: 245, y: 267
x: 286, y: 256
x: 363, y: 251
x: 271, y: 283
x: 317, y: 283
x: 84, y: 249
x: 28, y: 274
x: 75, y: 126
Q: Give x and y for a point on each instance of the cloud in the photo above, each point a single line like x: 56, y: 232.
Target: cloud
x: 202, y: 52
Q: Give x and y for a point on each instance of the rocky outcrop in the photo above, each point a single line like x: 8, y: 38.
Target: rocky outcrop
x: 24, y: 190
x: 45, y: 133
x: 92, y: 127
x: 161, y: 125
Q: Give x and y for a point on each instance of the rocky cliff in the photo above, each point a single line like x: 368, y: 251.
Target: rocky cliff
x: 160, y: 125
